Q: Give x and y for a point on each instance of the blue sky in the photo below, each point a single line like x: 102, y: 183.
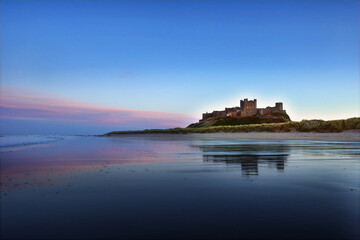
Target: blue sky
x: 185, y: 56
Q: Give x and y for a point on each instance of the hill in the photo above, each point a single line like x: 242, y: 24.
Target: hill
x: 277, y: 117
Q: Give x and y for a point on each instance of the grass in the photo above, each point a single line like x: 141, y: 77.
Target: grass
x: 234, y: 121
x: 303, y: 126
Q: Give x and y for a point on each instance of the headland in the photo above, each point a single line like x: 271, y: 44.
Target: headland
x: 248, y: 118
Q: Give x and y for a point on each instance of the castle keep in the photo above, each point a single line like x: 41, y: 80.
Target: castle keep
x: 247, y: 108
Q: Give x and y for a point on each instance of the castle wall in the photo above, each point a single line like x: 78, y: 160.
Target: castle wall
x: 270, y: 110
x: 249, y: 112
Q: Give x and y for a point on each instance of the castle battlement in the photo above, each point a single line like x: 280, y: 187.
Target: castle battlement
x: 247, y: 108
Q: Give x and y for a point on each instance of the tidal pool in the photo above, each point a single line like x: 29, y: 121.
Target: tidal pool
x: 180, y: 186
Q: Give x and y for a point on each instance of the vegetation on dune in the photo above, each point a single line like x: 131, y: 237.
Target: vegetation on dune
x: 303, y: 126
x: 230, y: 121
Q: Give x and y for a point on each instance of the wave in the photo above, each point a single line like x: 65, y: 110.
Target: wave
x: 13, y: 141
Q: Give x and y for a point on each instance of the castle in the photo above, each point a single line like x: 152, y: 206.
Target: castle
x: 247, y: 108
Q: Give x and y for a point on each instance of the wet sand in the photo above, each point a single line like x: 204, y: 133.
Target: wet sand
x: 351, y: 135
x: 183, y: 186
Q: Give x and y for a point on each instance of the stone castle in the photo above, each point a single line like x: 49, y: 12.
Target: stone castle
x: 247, y: 108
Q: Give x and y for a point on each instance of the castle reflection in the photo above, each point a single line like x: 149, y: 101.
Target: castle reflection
x: 249, y: 157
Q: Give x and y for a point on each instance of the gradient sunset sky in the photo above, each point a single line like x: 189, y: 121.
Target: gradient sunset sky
x: 88, y: 67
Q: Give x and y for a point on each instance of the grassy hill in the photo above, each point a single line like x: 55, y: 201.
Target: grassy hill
x: 231, y: 121
x: 302, y: 126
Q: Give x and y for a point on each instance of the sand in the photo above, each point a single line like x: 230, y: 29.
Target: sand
x: 351, y: 135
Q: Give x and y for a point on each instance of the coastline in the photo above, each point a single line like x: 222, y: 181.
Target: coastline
x: 315, y: 129
x: 348, y: 135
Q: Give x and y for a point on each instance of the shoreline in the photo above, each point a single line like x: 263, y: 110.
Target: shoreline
x: 305, y: 126
x: 342, y: 136
x: 348, y: 135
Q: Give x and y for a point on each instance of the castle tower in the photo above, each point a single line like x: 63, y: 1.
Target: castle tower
x: 279, y: 105
x: 246, y: 104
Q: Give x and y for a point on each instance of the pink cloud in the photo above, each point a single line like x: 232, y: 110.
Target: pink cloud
x: 26, y: 103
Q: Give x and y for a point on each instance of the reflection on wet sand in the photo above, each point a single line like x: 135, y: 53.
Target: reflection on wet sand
x: 250, y: 163
x: 35, y: 166
x: 248, y: 156
x: 180, y: 187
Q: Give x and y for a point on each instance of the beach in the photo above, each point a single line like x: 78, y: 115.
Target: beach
x: 203, y: 186
x: 350, y: 135
x: 199, y: 120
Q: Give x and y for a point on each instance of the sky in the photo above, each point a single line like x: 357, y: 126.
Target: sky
x: 89, y: 67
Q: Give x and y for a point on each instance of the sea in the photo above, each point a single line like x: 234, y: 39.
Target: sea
x: 180, y: 186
